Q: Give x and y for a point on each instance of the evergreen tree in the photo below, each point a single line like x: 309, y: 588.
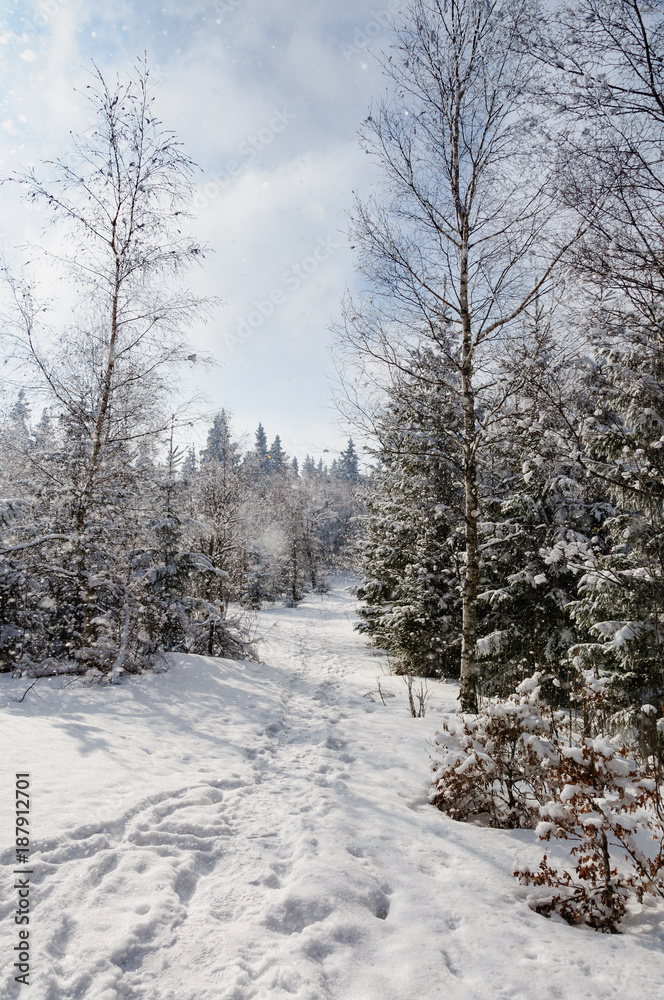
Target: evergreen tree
x: 622, y: 587
x: 220, y: 446
x: 260, y: 446
x: 222, y: 500
x: 347, y: 467
x: 20, y: 417
x: 542, y: 515
x: 276, y: 457
x: 189, y: 465
x: 411, y: 552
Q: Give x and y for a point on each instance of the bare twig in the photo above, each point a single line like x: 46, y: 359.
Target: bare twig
x: 26, y: 691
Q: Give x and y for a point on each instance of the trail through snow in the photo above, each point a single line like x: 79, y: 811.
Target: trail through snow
x: 250, y: 830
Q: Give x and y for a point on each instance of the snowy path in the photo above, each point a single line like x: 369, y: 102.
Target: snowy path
x: 236, y: 831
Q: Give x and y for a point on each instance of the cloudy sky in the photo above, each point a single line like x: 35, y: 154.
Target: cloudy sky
x: 266, y: 96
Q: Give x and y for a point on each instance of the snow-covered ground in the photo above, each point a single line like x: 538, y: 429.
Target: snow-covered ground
x: 240, y: 830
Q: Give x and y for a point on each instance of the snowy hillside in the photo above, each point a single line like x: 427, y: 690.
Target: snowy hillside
x: 238, y: 830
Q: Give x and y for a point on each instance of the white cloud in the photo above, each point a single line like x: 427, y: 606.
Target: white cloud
x: 223, y: 70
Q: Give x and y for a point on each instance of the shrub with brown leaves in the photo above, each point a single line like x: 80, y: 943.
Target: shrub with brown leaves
x: 493, y: 766
x: 605, y: 802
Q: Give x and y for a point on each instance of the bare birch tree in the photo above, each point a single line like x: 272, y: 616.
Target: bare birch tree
x: 117, y: 202
x: 458, y: 242
x: 119, y: 199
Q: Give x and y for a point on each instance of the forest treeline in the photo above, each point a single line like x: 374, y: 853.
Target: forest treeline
x: 175, y: 548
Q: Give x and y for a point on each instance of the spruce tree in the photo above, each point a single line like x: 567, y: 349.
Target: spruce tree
x: 220, y: 446
x: 541, y: 517
x: 347, y: 467
x: 411, y: 551
x: 276, y: 457
x: 260, y: 446
x: 622, y: 587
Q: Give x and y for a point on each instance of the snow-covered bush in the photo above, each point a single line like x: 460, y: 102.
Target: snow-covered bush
x: 495, y: 765
x: 519, y: 764
x: 608, y: 805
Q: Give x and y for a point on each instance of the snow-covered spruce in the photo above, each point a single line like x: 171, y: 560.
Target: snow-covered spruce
x: 411, y: 541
